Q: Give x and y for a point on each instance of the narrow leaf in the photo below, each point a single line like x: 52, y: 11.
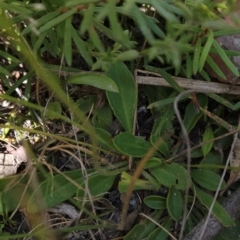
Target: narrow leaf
x: 206, y: 50
x: 218, y: 211
x: 207, y: 135
x: 57, y: 20
x: 225, y: 58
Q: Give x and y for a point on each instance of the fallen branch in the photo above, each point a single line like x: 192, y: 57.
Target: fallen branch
x: 201, y: 86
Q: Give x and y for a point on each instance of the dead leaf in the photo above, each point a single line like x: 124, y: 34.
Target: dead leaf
x: 9, y: 162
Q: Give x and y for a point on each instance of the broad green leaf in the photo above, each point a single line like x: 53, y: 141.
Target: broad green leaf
x: 206, y: 50
x: 94, y: 79
x: 207, y: 135
x: 131, y: 145
x: 192, y: 114
x: 225, y: 58
x: 57, y: 20
x: 159, y: 233
x: 153, y: 162
x: 97, y: 185
x: 102, y: 117
x: 81, y: 46
x: 67, y: 48
x: 174, y: 203
x: 215, y: 68
x: 58, y: 188
x: 218, y: 211
x: 196, y: 56
x: 171, y: 174
x: 124, y: 102
x: 85, y: 104
x: 140, y: 184
x: 144, y: 228
x: 155, y: 202
x: 54, y: 107
x: 207, y: 179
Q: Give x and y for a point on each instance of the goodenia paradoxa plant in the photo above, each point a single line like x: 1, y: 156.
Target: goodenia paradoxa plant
x: 124, y: 102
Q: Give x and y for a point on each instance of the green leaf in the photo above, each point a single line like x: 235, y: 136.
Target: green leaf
x: 173, y: 174
x: 162, y: 103
x: 97, y: 185
x: 163, y: 147
x: 54, y: 107
x: 102, y: 117
x: 144, y: 228
x: 127, y: 55
x: 174, y: 203
x: 60, y: 187
x: 85, y: 104
x: 94, y: 79
x: 87, y: 18
x: 155, y: 202
x: 140, y: 184
x: 105, y: 139
x: 229, y: 233
x: 153, y: 162
x: 189, y: 64
x: 131, y: 145
x: 206, y: 50
x: 40, y: 22
x: 215, y: 68
x: 123, y: 103
x: 225, y: 58
x: 218, y: 211
x: 196, y: 56
x: 159, y: 233
x: 207, y: 179
x: 207, y: 135
x: 67, y: 48
x: 57, y: 20
x: 164, y: 123
x: 192, y: 114
x: 170, y: 80
x: 81, y: 46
